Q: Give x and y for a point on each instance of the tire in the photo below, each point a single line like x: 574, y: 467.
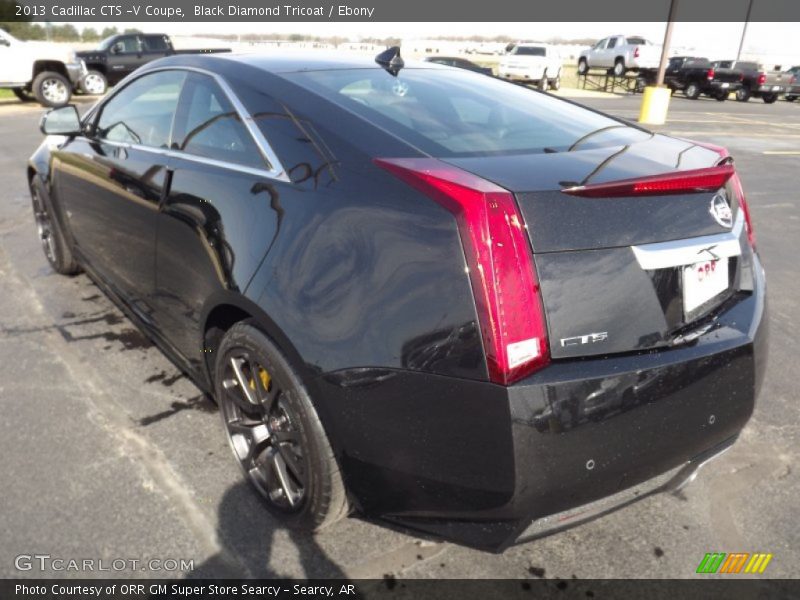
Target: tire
x: 275, y: 432
x: 542, y: 84
x: 583, y: 67
x: 769, y: 98
x: 23, y: 95
x: 790, y: 98
x: 619, y: 68
x: 721, y: 96
x: 743, y: 95
x: 54, y: 244
x: 52, y: 89
x: 94, y: 84
x: 692, y: 91
x: 555, y: 84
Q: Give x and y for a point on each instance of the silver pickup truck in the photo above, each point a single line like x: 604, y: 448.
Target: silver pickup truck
x: 620, y: 53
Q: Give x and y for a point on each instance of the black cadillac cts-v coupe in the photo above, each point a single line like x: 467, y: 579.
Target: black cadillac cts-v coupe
x: 418, y: 293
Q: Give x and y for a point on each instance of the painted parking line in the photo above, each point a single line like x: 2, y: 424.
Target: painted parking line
x: 782, y: 152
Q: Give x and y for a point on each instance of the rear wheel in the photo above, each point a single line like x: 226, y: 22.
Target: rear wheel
x: 555, y: 84
x: 583, y: 66
x: 23, y: 94
x: 619, y: 67
x: 54, y: 244
x: 275, y: 433
x: 769, y: 98
x: 791, y: 98
x: 743, y: 95
x: 721, y: 96
x: 542, y: 85
x: 692, y: 91
x: 52, y: 89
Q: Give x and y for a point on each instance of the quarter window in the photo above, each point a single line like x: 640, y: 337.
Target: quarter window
x: 208, y: 125
x: 155, y: 43
x: 143, y: 111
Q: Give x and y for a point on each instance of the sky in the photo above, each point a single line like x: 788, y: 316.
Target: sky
x: 715, y: 40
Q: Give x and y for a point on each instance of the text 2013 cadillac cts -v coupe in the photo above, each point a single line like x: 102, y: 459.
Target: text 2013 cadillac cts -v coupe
x: 418, y: 293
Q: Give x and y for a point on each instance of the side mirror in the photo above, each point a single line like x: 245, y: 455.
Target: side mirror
x: 61, y: 121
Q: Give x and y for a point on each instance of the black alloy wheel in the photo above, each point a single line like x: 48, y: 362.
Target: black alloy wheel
x: 275, y: 433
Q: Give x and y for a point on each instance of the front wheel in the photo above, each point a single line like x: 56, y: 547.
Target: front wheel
x: 52, y: 89
x: 542, y: 85
x: 769, y: 98
x: 555, y: 84
x: 692, y: 91
x: 275, y: 433
x: 619, y: 68
x: 742, y: 95
x: 94, y: 84
x: 583, y: 67
x: 54, y: 244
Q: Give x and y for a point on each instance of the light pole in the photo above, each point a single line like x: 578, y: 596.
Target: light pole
x: 744, y: 29
x: 662, y: 66
x: 655, y: 100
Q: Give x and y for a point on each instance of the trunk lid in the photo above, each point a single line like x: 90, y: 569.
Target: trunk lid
x: 727, y: 75
x: 611, y: 270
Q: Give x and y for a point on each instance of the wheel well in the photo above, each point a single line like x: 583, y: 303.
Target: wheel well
x: 55, y: 66
x: 31, y: 174
x: 219, y: 321
x: 96, y: 67
x: 619, y: 59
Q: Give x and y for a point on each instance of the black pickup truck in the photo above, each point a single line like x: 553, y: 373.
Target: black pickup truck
x: 117, y: 56
x: 757, y: 82
x: 695, y: 76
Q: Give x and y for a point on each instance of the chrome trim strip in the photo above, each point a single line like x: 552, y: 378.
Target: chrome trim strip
x: 676, y: 253
x: 273, y: 169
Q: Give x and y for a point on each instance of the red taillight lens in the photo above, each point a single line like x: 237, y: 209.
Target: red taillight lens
x: 636, y: 52
x: 678, y: 182
x: 499, y: 259
x: 762, y: 78
x: 710, y: 74
x: 748, y: 223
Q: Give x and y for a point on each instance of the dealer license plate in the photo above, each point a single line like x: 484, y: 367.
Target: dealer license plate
x: 725, y: 85
x: 702, y: 281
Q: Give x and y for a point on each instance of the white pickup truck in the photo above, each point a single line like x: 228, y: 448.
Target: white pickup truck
x: 48, y: 71
x: 621, y: 54
x: 532, y: 62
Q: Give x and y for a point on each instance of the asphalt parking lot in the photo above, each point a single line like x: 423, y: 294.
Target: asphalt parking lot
x: 109, y: 452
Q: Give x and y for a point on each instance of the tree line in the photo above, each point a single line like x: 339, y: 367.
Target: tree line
x: 59, y: 32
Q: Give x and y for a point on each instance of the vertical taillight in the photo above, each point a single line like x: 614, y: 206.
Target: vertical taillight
x: 499, y: 259
x: 636, y: 52
x: 710, y: 74
x: 748, y: 223
x: 762, y: 78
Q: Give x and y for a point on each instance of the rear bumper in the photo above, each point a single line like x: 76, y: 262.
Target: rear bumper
x: 480, y: 464
x: 719, y: 86
x: 771, y: 89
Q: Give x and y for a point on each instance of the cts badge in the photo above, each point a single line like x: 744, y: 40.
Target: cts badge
x: 580, y: 340
x: 721, y: 210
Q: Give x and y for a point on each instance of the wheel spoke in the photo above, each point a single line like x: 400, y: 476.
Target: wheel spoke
x: 291, y: 462
x: 244, y: 385
x: 281, y: 473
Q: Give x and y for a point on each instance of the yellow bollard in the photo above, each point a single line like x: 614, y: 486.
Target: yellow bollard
x: 655, y: 102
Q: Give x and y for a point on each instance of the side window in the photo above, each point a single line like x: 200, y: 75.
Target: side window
x: 128, y: 44
x: 601, y: 44
x: 612, y: 42
x: 142, y: 112
x: 155, y: 43
x: 209, y: 126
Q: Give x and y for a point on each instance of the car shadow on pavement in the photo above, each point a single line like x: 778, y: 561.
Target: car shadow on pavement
x: 252, y: 543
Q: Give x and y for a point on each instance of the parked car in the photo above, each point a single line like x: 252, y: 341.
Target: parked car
x: 532, y: 63
x: 461, y: 63
x: 46, y: 72
x: 757, y: 82
x: 416, y: 292
x: 620, y: 54
x: 118, y: 56
x: 793, y: 83
x: 695, y: 76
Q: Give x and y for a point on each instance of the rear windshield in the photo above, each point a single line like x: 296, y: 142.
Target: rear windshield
x: 638, y: 41
x: 458, y: 113
x: 529, y: 51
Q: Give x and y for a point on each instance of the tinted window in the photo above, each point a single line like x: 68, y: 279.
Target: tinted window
x: 128, y: 44
x: 142, y: 112
x: 637, y: 41
x: 459, y: 113
x: 529, y: 51
x: 208, y: 125
x: 612, y: 42
x: 155, y: 43
x: 724, y: 64
x: 600, y: 45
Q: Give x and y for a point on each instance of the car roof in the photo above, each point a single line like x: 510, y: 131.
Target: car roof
x: 280, y: 61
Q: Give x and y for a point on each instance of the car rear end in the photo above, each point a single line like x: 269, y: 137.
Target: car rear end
x: 524, y: 63
x: 642, y: 54
x: 619, y: 298
x: 723, y: 80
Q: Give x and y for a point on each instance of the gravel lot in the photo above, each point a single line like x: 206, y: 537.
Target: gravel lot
x: 109, y: 452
